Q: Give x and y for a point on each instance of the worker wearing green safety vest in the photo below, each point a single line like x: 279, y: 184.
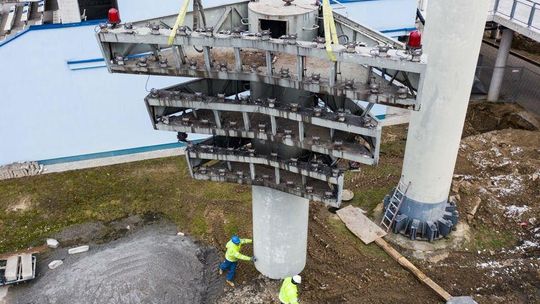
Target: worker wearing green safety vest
x: 232, y: 256
x: 288, y: 294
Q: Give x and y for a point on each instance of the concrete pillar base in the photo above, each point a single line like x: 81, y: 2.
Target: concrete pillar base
x: 422, y: 221
x: 280, y: 227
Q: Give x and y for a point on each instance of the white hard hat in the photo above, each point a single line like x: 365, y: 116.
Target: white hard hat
x: 297, y: 279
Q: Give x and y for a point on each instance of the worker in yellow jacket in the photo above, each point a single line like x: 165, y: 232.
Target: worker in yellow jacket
x: 288, y: 294
x: 232, y: 256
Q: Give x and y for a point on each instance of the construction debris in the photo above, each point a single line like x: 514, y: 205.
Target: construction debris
x: 52, y: 243
x: 79, y: 249
x: 55, y: 264
x: 17, y: 170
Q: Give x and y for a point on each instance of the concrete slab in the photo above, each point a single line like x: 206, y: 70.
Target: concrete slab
x: 461, y: 300
x: 12, y: 268
x: 27, y: 268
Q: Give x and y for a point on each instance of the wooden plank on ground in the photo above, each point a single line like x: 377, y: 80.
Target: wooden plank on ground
x: 360, y: 225
x: 368, y: 231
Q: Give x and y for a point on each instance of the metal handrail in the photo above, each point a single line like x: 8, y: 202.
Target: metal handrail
x: 534, y: 7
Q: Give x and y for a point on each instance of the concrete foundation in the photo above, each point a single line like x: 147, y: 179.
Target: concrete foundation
x: 452, y: 42
x: 280, y: 226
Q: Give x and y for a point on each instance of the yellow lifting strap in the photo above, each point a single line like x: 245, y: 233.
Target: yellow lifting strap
x: 179, y: 21
x: 330, y: 33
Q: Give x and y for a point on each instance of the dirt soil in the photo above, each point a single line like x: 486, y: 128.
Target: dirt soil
x: 496, y: 185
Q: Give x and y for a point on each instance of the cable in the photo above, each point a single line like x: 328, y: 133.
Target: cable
x: 146, y: 84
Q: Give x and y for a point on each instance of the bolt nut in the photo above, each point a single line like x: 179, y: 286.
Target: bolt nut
x: 349, y: 84
x: 165, y: 119
x: 271, y: 102
x: 294, y: 107
x: 284, y: 73
x: 317, y: 111
x: 315, y: 78
x: 335, y: 172
x: 351, y: 47
x: 383, y: 49
x: 341, y: 116
x: 316, y: 140
x: 338, y: 144
x: 120, y: 60
x: 222, y: 172
x: 223, y: 66
x: 288, y: 134
x: 309, y: 189
x: 163, y: 63
x: 182, y: 30
x: 199, y: 96
x: 155, y: 29
x: 402, y: 92
x: 143, y: 62
x: 237, y: 32
x: 416, y: 55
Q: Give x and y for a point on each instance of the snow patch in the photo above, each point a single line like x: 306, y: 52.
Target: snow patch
x: 507, y: 184
x: 514, y: 211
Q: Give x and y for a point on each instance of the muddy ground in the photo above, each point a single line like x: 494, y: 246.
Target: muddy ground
x: 495, y: 259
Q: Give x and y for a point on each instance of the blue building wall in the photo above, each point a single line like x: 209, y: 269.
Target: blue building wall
x: 392, y: 17
x: 49, y: 111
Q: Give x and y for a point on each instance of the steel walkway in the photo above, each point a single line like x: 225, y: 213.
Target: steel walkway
x: 522, y: 16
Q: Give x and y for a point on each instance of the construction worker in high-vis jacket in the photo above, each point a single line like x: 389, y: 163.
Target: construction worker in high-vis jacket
x: 232, y: 256
x: 288, y: 294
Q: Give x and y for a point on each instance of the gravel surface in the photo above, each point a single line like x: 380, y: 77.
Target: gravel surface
x: 151, y: 265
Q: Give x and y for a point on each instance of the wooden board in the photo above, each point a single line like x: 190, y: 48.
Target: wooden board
x: 360, y: 225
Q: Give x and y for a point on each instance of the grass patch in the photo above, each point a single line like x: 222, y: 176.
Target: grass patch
x: 110, y: 193
x: 487, y: 238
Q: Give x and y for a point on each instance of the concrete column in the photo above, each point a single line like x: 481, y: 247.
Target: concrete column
x: 280, y: 226
x: 500, y: 65
x: 452, y: 41
x: 422, y: 5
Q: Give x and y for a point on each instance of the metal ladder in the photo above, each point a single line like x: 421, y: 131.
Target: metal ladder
x: 393, y: 206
